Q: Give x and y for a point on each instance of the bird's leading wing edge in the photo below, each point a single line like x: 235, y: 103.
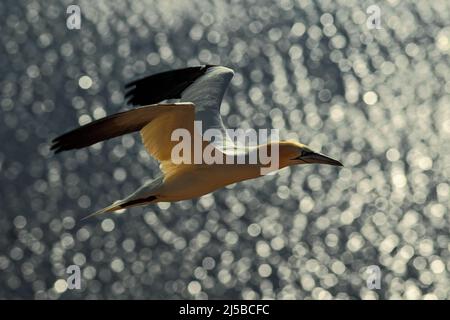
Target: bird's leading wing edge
x: 116, y: 125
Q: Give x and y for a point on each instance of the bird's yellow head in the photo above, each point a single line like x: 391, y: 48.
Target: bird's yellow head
x: 293, y: 153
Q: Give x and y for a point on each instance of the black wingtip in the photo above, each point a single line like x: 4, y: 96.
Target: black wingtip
x: 55, y: 145
x: 56, y: 148
x: 59, y: 144
x: 162, y: 86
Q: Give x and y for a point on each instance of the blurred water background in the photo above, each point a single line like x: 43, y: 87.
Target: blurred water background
x: 377, y: 99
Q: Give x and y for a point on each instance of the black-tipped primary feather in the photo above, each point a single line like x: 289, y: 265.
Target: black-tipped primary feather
x: 162, y: 86
x: 109, y: 127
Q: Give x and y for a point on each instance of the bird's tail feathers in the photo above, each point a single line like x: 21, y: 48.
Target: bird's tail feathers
x: 115, y: 206
x: 118, y: 205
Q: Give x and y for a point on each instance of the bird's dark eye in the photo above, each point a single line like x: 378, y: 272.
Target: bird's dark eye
x: 306, y: 153
x: 302, y: 154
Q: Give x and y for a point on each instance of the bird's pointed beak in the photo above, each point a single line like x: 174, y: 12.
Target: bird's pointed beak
x: 320, y: 158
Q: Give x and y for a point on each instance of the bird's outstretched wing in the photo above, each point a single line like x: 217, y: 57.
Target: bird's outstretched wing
x: 204, y: 86
x: 162, y: 86
x: 156, y: 123
x: 207, y: 94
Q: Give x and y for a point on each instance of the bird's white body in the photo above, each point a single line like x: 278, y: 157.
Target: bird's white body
x: 198, y: 180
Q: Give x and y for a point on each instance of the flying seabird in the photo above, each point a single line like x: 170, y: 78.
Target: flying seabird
x: 200, y: 91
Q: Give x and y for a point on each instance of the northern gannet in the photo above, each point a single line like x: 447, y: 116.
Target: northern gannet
x: 200, y: 90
